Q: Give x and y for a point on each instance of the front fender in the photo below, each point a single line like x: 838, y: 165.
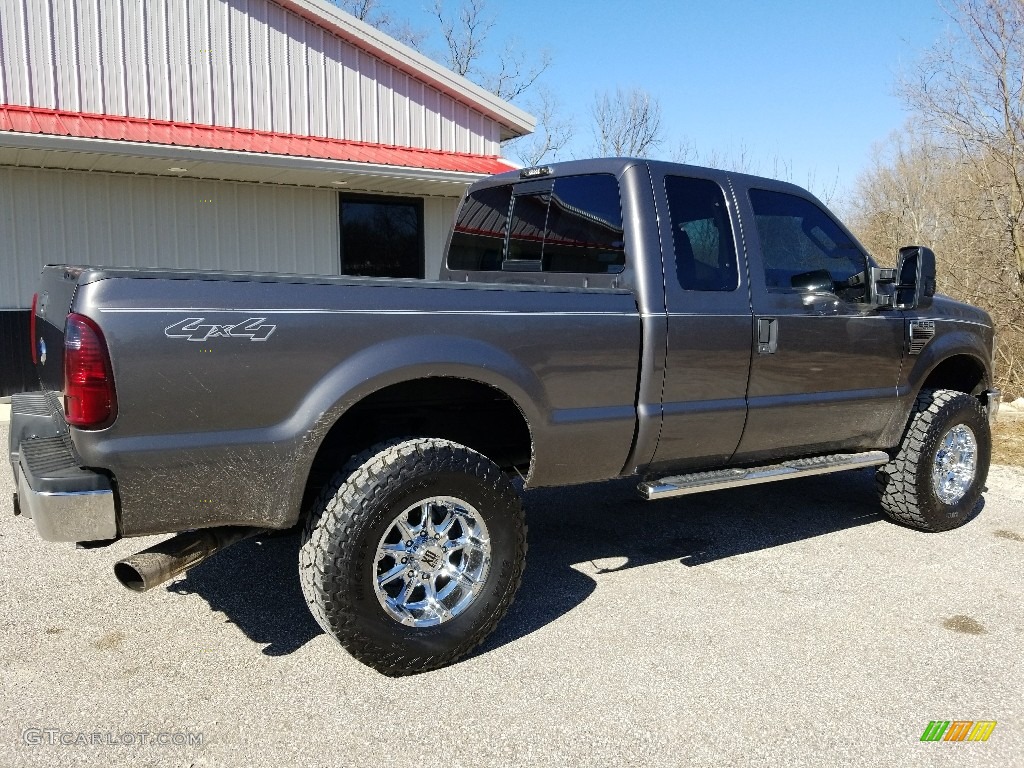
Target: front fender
x: 952, y: 339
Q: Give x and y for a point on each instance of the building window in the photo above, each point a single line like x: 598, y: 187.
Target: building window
x: 382, y: 236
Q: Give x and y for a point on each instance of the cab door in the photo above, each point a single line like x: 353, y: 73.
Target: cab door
x: 826, y: 363
x: 708, y: 318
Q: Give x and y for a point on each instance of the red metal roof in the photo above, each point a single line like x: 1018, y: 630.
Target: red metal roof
x: 91, y: 126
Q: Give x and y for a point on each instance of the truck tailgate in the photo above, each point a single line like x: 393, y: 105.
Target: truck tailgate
x: 53, y: 302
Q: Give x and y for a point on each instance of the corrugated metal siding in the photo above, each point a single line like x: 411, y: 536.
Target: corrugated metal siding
x: 114, y: 219
x: 438, y: 218
x: 76, y: 217
x: 235, y: 63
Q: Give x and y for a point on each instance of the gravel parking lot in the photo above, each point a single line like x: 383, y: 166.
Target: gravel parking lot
x: 788, y: 624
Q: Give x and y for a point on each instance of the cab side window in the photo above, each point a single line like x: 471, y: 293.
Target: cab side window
x: 701, y: 235
x: 800, y: 242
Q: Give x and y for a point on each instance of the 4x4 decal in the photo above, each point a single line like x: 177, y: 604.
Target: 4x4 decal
x: 195, y: 329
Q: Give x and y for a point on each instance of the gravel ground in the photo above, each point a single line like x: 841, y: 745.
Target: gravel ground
x: 787, y: 625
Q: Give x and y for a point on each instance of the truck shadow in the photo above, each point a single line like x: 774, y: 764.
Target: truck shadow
x: 576, y: 534
x: 579, y: 534
x: 255, y: 584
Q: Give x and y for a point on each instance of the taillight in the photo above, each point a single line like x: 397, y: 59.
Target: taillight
x: 33, y: 342
x: 89, y: 401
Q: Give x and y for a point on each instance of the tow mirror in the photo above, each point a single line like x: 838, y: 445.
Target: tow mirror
x: 915, y: 278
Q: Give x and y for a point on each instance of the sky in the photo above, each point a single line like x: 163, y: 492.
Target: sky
x: 803, y: 85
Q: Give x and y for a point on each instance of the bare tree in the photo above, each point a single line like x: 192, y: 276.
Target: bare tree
x: 464, y: 34
x: 969, y: 90
x: 466, y: 31
x: 376, y: 15
x: 626, y: 123
x: 919, y: 191
x: 554, y: 132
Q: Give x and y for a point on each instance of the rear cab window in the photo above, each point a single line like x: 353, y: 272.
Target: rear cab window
x: 563, y: 225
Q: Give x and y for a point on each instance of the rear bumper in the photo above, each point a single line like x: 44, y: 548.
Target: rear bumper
x: 65, y: 501
x: 68, y: 515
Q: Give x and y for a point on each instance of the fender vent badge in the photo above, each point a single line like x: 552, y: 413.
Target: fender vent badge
x: 921, y: 332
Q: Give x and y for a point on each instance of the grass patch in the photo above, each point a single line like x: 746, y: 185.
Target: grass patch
x: 1008, y: 443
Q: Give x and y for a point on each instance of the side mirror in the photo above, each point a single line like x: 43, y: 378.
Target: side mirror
x: 818, y: 281
x: 915, y: 278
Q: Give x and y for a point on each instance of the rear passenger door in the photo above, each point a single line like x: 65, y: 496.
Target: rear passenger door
x: 827, y: 362
x: 709, y: 322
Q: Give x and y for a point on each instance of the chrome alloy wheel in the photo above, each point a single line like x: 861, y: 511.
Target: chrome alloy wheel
x: 956, y: 463
x: 432, y: 562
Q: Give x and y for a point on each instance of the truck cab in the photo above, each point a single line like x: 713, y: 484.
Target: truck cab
x: 769, y: 331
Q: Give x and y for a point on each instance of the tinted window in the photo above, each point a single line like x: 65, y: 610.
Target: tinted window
x: 584, y: 227
x: 701, y: 235
x: 382, y: 238
x: 529, y: 218
x: 798, y: 238
x: 569, y: 224
x: 479, y: 237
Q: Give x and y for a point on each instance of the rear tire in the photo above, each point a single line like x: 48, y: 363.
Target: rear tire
x: 934, y: 481
x: 413, y: 553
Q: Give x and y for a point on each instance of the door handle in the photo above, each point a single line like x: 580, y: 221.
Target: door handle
x: 767, y: 335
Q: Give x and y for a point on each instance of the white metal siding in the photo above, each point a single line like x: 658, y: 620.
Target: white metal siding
x: 235, y: 63
x: 75, y: 217
x: 438, y: 219
x: 83, y: 217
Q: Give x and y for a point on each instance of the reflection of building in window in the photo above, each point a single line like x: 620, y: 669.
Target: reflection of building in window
x: 573, y: 225
x: 478, y: 241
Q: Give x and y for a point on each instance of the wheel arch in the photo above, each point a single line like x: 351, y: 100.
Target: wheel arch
x: 453, y: 388
x: 956, y: 359
x: 963, y: 372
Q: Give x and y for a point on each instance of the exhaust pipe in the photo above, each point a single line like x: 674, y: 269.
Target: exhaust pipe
x: 152, y: 567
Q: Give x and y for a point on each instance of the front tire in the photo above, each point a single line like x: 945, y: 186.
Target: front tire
x: 413, y: 553
x: 934, y: 481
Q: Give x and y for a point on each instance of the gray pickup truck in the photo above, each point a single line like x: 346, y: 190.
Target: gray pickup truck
x: 595, y: 319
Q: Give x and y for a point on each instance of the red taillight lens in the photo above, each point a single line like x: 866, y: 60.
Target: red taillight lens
x: 33, y: 342
x: 89, y: 401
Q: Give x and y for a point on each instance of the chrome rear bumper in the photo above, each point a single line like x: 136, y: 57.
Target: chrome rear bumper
x: 68, y: 515
x: 66, y: 501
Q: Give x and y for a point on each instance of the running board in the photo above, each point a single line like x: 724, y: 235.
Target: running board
x: 698, y: 482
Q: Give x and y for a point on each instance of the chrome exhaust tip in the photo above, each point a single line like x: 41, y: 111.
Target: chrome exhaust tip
x: 161, y: 562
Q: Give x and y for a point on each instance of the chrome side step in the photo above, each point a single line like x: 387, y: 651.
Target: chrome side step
x: 698, y: 482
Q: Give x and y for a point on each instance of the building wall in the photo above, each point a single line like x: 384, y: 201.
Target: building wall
x: 438, y: 219
x: 76, y: 217
x: 49, y: 216
x: 236, y: 63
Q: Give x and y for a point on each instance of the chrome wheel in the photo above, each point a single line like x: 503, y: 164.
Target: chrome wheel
x: 956, y: 464
x: 432, y: 562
